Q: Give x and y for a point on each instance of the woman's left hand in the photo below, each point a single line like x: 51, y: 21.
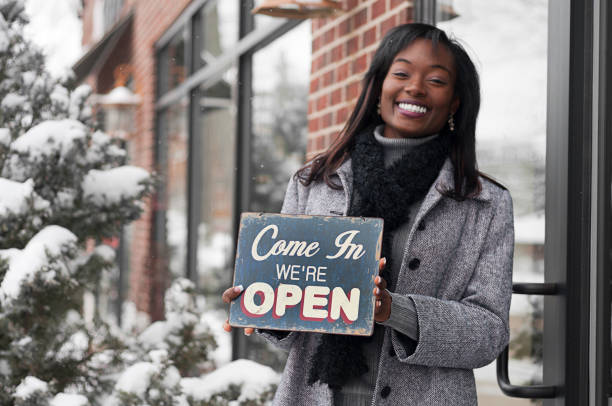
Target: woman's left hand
x: 382, y: 308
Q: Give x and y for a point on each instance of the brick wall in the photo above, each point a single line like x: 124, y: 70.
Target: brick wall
x: 342, y: 49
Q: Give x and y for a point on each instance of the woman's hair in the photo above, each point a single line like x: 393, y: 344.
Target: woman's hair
x: 467, y: 89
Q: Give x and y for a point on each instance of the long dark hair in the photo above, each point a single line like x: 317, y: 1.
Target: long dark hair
x: 467, y: 89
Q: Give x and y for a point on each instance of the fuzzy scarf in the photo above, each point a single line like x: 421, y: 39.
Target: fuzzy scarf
x: 377, y: 192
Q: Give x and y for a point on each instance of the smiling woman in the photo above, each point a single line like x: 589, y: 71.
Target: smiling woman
x: 417, y: 95
x: 407, y: 155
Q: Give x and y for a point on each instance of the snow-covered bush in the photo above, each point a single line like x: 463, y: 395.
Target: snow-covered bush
x: 63, y: 186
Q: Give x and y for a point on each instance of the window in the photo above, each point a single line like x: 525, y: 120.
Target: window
x: 511, y: 147
x: 198, y: 141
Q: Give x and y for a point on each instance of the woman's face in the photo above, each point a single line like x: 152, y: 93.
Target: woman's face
x: 418, y: 92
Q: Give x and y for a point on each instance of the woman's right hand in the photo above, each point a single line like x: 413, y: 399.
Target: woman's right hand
x: 229, y: 295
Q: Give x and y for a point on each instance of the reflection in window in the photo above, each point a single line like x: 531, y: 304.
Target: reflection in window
x: 172, y: 63
x: 279, y: 126
x: 216, y: 188
x: 175, y: 138
x: 280, y: 90
x: 215, y: 185
x: 511, y: 141
x: 219, y: 29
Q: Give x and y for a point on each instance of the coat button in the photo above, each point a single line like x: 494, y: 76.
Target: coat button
x: 421, y: 226
x: 414, y: 263
x: 391, y: 352
x: 385, y: 392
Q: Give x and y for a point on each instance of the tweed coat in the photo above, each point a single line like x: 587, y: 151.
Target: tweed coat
x: 461, y: 292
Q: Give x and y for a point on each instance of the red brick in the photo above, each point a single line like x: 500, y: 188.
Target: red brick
x: 406, y: 16
x: 369, y: 37
x: 311, y: 107
x: 360, y: 64
x: 318, y: 63
x: 352, y: 46
x: 395, y: 3
x: 329, y: 36
x: 336, y: 97
x: 320, y: 142
x: 337, y: 53
x: 378, y: 8
x: 351, y: 4
x: 316, y: 44
x: 314, y: 85
x: 344, y: 27
x: 342, y: 115
x: 352, y: 90
x: 360, y: 18
x: 322, y: 102
x: 342, y: 71
x: 328, y: 78
x: 387, y: 25
x: 313, y: 124
x: 327, y: 120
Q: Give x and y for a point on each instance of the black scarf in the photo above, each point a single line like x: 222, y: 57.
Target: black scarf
x: 377, y: 192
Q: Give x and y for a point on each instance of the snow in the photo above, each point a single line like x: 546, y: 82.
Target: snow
x: 50, y: 137
x: 112, y: 185
x: 12, y: 100
x: 154, y: 335
x: 178, y: 298
x: 69, y: 399
x: 5, y: 137
x: 4, y: 40
x: 55, y: 26
x: 158, y: 356
x: 106, y: 252
x: 29, y: 386
x: 75, y: 348
x: 136, y: 378
x: 25, y: 264
x: 252, y: 377
x: 214, y: 320
x: 529, y: 229
x: 60, y: 96
x: 120, y: 95
x: 16, y: 197
x: 132, y: 320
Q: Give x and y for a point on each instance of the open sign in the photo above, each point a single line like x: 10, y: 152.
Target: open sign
x: 307, y: 273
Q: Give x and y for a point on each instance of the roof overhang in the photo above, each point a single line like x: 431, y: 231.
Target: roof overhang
x: 94, y: 59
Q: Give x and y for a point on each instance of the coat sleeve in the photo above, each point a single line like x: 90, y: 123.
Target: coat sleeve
x: 284, y: 339
x: 471, y: 332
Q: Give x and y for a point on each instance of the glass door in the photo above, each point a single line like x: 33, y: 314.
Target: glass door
x: 544, y: 132
x: 511, y: 147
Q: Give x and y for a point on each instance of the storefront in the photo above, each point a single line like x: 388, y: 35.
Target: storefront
x: 237, y: 102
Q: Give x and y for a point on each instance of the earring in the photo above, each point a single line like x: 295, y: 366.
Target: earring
x: 451, y: 123
x: 378, y: 108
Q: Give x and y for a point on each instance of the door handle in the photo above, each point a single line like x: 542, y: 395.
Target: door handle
x: 518, y: 391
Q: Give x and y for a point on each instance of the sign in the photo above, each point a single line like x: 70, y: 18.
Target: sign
x: 306, y: 273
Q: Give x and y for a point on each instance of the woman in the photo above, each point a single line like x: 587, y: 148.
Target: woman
x: 407, y: 154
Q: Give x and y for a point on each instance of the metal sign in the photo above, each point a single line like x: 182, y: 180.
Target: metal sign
x: 306, y: 273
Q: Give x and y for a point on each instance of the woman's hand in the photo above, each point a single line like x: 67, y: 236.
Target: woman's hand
x: 382, y: 309
x: 229, y: 295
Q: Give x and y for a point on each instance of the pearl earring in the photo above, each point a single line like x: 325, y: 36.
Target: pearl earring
x: 451, y: 123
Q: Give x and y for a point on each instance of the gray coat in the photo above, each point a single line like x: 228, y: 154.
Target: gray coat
x: 461, y: 291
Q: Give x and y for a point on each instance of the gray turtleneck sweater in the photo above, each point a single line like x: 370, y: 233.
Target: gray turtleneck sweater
x: 358, y: 391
